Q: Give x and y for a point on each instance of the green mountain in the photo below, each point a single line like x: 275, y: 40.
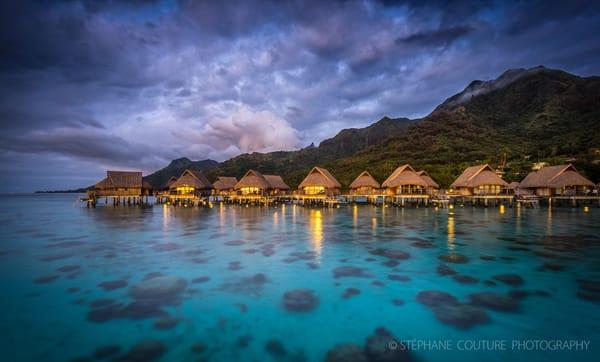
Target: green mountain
x: 523, y: 116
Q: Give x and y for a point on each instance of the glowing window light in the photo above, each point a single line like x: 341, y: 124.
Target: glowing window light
x: 314, y: 190
x: 184, y: 190
x: 250, y: 190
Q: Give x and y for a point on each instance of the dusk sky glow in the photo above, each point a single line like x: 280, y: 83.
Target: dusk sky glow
x: 88, y: 86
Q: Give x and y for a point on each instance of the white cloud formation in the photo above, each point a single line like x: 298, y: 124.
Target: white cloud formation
x: 245, y: 131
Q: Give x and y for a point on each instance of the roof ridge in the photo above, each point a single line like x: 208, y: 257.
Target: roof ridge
x: 479, y: 171
x: 562, y: 171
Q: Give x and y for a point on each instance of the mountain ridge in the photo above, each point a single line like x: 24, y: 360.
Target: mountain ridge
x: 523, y: 116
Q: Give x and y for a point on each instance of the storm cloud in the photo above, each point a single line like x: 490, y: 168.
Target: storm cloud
x: 87, y: 85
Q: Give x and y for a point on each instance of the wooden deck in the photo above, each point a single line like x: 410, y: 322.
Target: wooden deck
x: 94, y: 199
x: 315, y: 200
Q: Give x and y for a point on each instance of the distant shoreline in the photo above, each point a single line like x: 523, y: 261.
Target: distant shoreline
x: 77, y: 191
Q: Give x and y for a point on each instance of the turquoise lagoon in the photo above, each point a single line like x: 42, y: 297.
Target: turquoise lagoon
x: 70, y: 278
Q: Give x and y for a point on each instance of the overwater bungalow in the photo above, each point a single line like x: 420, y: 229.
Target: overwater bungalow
x: 364, y: 184
x: 278, y: 186
x: 319, y: 182
x: 480, y: 180
x: 121, y: 186
x: 257, y: 184
x: 562, y: 180
x: 405, y: 181
x: 190, y: 184
x: 169, y: 183
x: 513, y: 188
x: 224, y: 186
x: 432, y: 186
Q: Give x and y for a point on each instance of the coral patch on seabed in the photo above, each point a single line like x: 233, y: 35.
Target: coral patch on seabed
x: 68, y: 268
x: 300, y: 300
x: 199, y: 280
x: 445, y: 270
x: 509, y: 279
x: 447, y: 309
x: 113, y: 284
x: 350, y: 271
x: 275, y: 348
x: 350, y: 292
x: 495, y: 301
x: 148, y: 295
x: 46, y: 279
x: 462, y: 316
x: 454, y: 258
x: 384, y: 346
x: 465, y: 279
x: 433, y: 297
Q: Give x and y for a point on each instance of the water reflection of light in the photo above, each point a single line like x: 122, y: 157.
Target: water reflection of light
x: 316, y: 230
x: 518, y: 218
x: 294, y: 214
x: 549, y: 221
x: 502, y: 209
x: 451, y: 232
x: 221, y: 215
x: 355, y: 216
x: 374, y: 224
x: 166, y: 216
x: 275, y: 220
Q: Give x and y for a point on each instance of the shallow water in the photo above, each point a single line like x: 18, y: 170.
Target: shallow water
x: 69, y: 275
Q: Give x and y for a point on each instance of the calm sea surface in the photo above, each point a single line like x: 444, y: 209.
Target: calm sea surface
x: 180, y: 284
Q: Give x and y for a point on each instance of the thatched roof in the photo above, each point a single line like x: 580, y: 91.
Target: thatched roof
x: 192, y: 178
x: 120, y: 179
x: 225, y: 183
x: 430, y: 182
x: 513, y: 185
x: 479, y: 175
x: 555, y: 176
x: 254, y: 178
x: 365, y: 180
x: 276, y: 182
x: 170, y: 181
x: 320, y: 177
x: 404, y: 175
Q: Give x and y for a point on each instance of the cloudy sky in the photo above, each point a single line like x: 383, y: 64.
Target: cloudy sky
x: 87, y: 85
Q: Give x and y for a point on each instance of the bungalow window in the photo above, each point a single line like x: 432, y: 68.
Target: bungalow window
x: 250, y: 190
x: 314, y: 190
x: 409, y: 189
x: 489, y: 189
x: 184, y: 190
